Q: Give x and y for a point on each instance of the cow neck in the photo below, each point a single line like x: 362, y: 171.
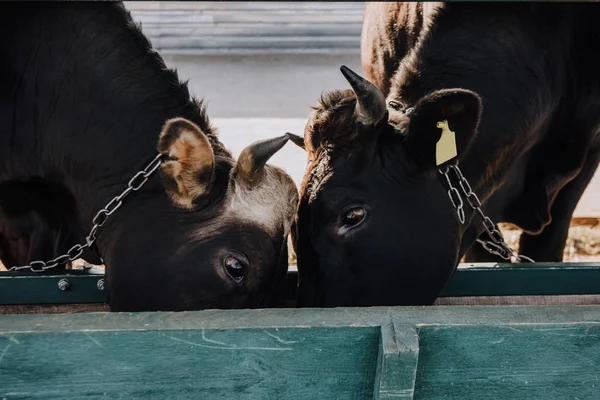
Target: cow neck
x: 441, y: 59
x: 121, y: 151
x: 107, y: 98
x: 487, y: 166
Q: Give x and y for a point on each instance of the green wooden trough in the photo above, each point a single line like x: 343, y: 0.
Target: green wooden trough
x: 470, y: 280
x: 437, y: 352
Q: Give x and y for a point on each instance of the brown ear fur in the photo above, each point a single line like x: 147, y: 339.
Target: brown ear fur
x: 188, y: 173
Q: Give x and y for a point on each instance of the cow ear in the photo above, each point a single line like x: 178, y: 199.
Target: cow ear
x: 459, y: 108
x: 188, y: 172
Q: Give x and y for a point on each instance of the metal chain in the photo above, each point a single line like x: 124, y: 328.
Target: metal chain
x: 497, y: 244
x: 134, y: 184
x: 456, y: 201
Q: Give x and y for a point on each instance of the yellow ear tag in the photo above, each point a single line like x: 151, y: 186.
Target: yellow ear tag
x: 445, y: 149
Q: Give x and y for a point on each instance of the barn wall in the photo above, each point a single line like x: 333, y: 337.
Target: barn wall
x: 247, y: 27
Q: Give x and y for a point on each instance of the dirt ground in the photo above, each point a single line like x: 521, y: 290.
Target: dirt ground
x: 583, y: 243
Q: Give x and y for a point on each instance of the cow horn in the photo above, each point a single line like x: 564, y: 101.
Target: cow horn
x: 251, y: 162
x: 297, y: 140
x: 370, y: 107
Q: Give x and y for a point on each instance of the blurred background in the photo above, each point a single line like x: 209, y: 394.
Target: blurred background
x: 258, y: 65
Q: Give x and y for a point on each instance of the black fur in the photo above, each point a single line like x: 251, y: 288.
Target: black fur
x: 84, y: 98
x: 531, y: 68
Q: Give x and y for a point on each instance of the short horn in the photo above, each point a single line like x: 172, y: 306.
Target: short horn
x: 297, y: 140
x: 251, y: 162
x: 370, y: 107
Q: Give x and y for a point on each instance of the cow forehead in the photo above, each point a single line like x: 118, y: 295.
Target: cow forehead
x: 343, y: 157
x: 330, y: 134
x: 271, y: 205
x: 317, y: 173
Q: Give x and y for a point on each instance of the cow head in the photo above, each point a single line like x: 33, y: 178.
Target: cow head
x: 219, y: 240
x: 375, y: 225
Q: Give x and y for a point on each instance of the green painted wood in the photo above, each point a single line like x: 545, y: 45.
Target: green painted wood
x: 484, y: 279
x: 300, y: 318
x: 488, y: 279
x: 53, y: 308
x: 397, y: 363
x: 324, y: 363
x: 32, y: 288
x: 509, y: 362
x: 576, y: 299
x: 375, y: 352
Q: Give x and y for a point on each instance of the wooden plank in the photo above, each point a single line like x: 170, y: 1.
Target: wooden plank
x: 456, y: 352
x: 497, y: 282
x: 508, y: 283
x: 175, y: 364
x: 54, y: 308
x: 488, y: 279
x: 397, y: 363
x: 300, y: 318
x: 510, y: 362
x: 576, y: 299
x: 32, y: 288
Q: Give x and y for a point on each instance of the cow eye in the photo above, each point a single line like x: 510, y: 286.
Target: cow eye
x: 353, y: 217
x: 235, y: 267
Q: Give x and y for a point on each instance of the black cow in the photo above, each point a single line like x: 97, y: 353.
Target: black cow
x: 517, y: 83
x: 86, y: 104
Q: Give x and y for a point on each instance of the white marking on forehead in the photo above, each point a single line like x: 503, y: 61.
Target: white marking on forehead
x: 271, y: 205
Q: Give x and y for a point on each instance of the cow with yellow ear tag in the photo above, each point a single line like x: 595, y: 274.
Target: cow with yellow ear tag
x: 462, y: 121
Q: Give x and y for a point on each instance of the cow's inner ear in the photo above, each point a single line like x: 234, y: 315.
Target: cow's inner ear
x: 462, y: 111
x: 188, y: 172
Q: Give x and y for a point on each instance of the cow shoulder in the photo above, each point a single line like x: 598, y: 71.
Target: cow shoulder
x: 389, y: 32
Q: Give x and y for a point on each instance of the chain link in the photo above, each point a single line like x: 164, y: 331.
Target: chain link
x: 456, y: 201
x: 497, y: 244
x: 135, y: 183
